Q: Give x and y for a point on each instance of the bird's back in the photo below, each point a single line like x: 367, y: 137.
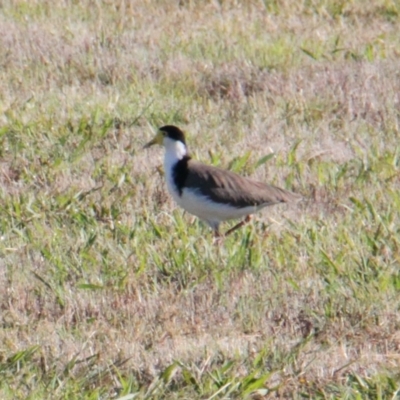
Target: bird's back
x: 230, y: 188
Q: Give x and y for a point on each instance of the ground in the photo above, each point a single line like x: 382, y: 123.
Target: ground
x: 111, y: 291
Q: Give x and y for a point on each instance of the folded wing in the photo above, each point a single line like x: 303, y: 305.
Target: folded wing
x: 226, y: 187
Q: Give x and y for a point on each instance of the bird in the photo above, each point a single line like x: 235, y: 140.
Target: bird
x: 210, y: 193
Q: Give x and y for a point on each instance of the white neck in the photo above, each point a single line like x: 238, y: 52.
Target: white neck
x: 174, y: 151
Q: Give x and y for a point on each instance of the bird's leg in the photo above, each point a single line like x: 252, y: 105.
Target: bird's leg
x: 218, y: 238
x: 239, y: 225
x: 215, y: 227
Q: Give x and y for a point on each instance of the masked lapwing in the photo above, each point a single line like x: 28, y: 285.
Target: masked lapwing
x: 210, y: 193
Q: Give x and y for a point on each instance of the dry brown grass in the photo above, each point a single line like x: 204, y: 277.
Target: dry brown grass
x: 97, y: 264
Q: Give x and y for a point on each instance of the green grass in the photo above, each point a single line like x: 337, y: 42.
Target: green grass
x: 109, y: 291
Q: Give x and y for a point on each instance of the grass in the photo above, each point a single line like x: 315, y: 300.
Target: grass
x: 109, y: 291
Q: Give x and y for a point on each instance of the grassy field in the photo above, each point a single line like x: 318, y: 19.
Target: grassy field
x: 108, y: 290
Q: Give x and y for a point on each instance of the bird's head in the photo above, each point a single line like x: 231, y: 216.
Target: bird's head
x: 167, y: 135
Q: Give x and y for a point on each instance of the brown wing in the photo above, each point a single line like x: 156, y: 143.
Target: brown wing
x: 227, y: 187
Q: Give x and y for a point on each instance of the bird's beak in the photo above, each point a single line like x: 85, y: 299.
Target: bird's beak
x: 158, y: 139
